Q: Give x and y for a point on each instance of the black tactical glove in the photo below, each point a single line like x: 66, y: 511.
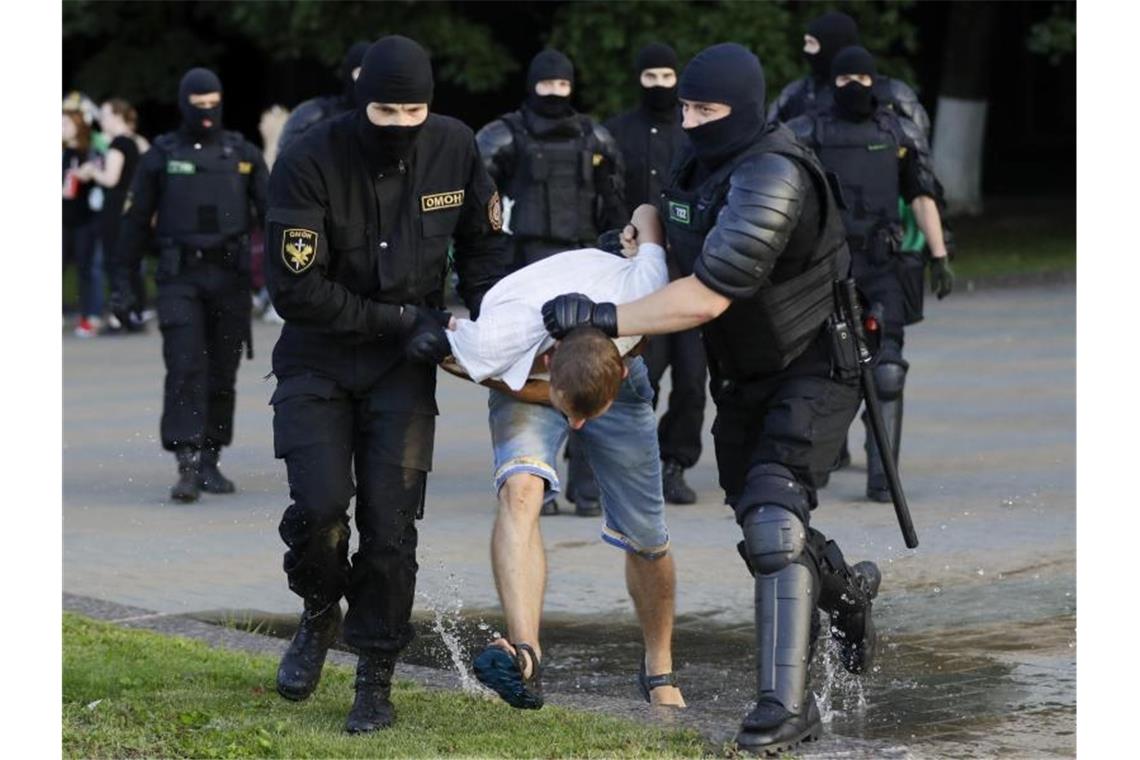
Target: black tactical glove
x: 562, y: 314
x: 426, y: 339
x: 941, y: 277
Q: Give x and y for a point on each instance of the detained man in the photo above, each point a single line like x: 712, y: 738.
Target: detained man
x: 591, y: 388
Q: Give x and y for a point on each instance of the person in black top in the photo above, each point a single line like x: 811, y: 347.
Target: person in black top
x: 361, y: 213
x: 561, y: 173
x: 118, y: 119
x: 756, y: 235
x: 868, y: 147
x: 80, y: 230
x: 205, y: 184
x: 315, y: 110
x: 649, y: 137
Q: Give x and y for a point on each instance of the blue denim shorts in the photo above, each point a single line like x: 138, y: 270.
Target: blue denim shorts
x: 621, y: 447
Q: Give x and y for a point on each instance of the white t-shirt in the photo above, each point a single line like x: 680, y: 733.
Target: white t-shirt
x: 503, y: 343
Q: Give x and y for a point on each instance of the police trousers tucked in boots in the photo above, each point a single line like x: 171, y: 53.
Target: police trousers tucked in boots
x: 204, y: 314
x: 326, y: 436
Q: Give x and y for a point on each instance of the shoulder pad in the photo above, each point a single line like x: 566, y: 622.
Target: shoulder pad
x: 905, y: 102
x: 803, y: 127
x: 309, y: 112
x: 760, y: 212
x: 778, y: 110
x: 494, y: 138
x: 605, y: 138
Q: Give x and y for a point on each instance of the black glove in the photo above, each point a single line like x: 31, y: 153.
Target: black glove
x: 569, y: 310
x: 941, y: 277
x: 426, y: 339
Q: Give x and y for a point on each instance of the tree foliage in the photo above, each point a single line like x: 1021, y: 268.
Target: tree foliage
x: 602, y: 39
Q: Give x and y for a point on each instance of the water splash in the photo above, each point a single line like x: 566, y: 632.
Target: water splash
x: 447, y: 612
x: 839, y: 693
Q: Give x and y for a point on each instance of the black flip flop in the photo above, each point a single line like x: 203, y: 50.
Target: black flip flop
x: 502, y: 673
x: 648, y: 683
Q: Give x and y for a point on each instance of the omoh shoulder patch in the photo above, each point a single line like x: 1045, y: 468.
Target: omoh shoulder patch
x: 298, y: 249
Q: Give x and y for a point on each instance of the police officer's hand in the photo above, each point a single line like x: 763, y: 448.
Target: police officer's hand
x: 562, y: 314
x: 426, y: 339
x: 941, y: 277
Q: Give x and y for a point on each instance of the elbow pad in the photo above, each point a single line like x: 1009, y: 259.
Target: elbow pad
x: 762, y: 208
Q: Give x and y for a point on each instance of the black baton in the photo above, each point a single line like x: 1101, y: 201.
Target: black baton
x: 851, y: 313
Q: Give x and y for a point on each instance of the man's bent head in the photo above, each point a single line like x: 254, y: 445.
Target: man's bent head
x: 585, y: 375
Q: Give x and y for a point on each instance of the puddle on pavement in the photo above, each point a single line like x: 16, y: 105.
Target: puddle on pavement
x: 1003, y: 689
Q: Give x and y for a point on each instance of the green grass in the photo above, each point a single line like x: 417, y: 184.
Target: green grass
x: 133, y: 693
x: 1013, y: 242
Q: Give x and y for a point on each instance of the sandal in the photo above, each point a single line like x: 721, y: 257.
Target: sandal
x: 502, y: 673
x: 648, y: 683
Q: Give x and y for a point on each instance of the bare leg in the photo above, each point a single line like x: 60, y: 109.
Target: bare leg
x: 651, y: 584
x: 519, y: 560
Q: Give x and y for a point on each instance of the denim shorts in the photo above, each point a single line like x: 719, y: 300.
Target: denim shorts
x: 621, y: 447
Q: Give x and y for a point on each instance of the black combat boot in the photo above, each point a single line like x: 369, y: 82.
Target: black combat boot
x: 300, y: 668
x: 372, y: 710
x: 673, y: 484
x: 186, y: 489
x: 210, y: 478
x: 851, y: 624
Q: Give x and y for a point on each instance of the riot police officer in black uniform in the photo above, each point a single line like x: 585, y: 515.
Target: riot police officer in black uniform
x: 563, y: 173
x: 649, y: 137
x: 361, y: 213
x: 875, y: 156
x: 315, y: 110
x: 826, y: 36
x: 755, y: 232
x: 205, y: 185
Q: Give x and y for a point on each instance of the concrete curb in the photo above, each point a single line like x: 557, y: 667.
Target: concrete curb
x: 430, y: 678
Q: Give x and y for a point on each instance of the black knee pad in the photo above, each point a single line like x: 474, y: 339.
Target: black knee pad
x: 773, y: 484
x: 773, y: 538
x: 889, y: 380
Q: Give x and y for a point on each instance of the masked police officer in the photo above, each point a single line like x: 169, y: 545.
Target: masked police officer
x: 315, y: 110
x: 562, y: 172
x: 649, y: 136
x: 361, y: 212
x: 205, y: 185
x: 827, y: 35
x: 876, y: 160
x: 756, y: 234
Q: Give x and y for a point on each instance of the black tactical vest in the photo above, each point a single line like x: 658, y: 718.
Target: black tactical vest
x: 553, y: 187
x: 864, y: 156
x: 765, y: 333
x: 204, y: 197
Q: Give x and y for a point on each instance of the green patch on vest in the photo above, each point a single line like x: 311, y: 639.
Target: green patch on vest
x: 180, y: 167
x: 878, y: 146
x: 681, y: 213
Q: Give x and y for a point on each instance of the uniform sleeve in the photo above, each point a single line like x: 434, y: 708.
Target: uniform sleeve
x: 778, y: 110
x: 496, y: 145
x: 481, y: 251
x: 297, y: 259
x: 609, y: 178
x: 916, y: 173
x: 907, y: 106
x: 134, y: 225
x: 303, y: 116
x: 259, y: 183
x: 763, y: 206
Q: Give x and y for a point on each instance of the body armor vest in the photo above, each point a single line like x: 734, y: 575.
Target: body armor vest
x: 204, y: 199
x: 766, y: 332
x: 553, y: 188
x: 865, y: 158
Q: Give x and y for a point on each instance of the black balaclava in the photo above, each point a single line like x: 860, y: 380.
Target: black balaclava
x: 352, y: 59
x: 726, y: 73
x: 549, y: 64
x: 854, y: 101
x: 835, y: 31
x: 395, y: 69
x: 661, y: 102
x: 199, y: 82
